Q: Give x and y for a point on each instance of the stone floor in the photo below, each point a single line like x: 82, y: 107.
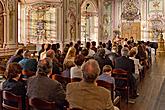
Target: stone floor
x: 150, y: 87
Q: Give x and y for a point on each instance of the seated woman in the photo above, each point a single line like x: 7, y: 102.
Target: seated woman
x: 66, y: 72
x: 12, y: 83
x: 17, y: 56
x: 76, y: 71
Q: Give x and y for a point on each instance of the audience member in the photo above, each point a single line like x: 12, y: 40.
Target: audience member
x: 90, y: 51
x: 16, y: 57
x: 51, y: 54
x: 102, y: 59
x: 28, y: 65
x: 94, y: 46
x: 76, y: 71
x: 13, y: 84
x: 107, y: 52
x: 128, y: 65
x: 46, y: 48
x: 70, y: 56
x: 106, y: 76
x: 114, y: 54
x: 86, y: 94
x: 66, y: 72
x: 138, y: 67
x: 42, y: 87
x: 40, y: 51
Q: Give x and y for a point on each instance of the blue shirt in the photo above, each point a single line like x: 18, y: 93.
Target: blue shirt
x: 106, y: 77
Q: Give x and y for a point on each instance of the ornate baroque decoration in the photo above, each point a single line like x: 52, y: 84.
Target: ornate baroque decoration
x: 130, y: 11
x: 157, y: 19
x: 11, y: 5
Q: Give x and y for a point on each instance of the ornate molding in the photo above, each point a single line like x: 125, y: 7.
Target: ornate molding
x: 11, y: 5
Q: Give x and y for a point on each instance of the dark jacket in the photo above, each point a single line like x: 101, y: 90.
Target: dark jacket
x: 125, y: 63
x: 103, y: 61
x: 44, y: 88
x: 17, y: 88
x: 15, y: 58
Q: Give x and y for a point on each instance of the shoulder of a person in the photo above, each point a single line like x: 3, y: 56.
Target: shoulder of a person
x: 103, y: 91
x: 72, y: 85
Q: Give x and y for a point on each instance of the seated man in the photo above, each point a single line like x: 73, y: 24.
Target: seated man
x: 128, y: 65
x: 86, y: 94
x: 102, y: 59
x: 40, y: 86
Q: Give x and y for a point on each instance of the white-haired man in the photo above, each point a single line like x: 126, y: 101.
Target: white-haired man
x: 86, y: 94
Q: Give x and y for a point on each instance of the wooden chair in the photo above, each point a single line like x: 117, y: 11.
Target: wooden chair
x: 121, y: 80
x: 1, y: 99
x: 41, y: 104
x: 8, y: 97
x: 63, y: 80
x: 76, y: 79
x: 110, y: 86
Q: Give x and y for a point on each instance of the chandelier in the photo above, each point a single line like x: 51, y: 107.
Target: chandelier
x: 130, y: 11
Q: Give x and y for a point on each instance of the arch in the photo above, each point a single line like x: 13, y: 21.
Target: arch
x: 93, y: 2
x: 4, y: 8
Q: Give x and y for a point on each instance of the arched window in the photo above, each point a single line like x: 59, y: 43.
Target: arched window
x: 89, y: 22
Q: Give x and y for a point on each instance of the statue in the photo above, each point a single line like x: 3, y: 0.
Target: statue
x: 161, y: 43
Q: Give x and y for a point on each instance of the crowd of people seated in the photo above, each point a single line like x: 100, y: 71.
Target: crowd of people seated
x: 36, y: 77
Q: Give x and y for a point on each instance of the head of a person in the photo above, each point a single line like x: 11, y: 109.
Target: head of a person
x: 54, y: 47
x: 124, y: 51
x: 26, y: 54
x: 69, y: 64
x: 71, y: 52
x: 93, y: 43
x: 47, y: 47
x: 132, y: 52
x: 104, y: 45
x: 114, y: 49
x: 13, y: 70
x: 101, y: 52
x: 70, y: 44
x: 79, y: 42
x: 90, y: 71
x: 88, y: 45
x: 107, y: 69
x: 100, y: 43
x: 42, y: 46
x: 79, y: 60
x: 125, y: 39
x: 19, y: 51
x: 84, y: 52
x: 44, y: 67
x: 58, y: 45
x: 50, y: 53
